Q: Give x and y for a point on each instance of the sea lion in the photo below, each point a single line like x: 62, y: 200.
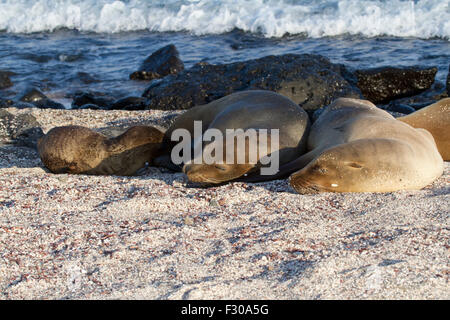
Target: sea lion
x: 77, y: 149
x: 357, y: 147
x: 436, y: 119
x: 247, y: 110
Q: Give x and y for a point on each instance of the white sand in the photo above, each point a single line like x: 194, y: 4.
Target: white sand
x: 151, y: 237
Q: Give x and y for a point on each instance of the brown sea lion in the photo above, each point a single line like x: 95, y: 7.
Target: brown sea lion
x: 257, y: 110
x: 219, y: 172
x: 357, y: 147
x: 77, y: 149
x: 436, y: 119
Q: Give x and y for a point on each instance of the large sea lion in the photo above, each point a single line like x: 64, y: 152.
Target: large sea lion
x: 77, y: 149
x: 357, y: 147
x: 255, y: 109
x: 436, y: 119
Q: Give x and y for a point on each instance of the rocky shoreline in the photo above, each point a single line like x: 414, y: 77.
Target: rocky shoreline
x: 312, y: 81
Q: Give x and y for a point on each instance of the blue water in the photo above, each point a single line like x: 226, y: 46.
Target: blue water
x: 69, y: 45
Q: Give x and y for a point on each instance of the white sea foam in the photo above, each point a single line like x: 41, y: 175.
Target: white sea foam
x: 273, y: 18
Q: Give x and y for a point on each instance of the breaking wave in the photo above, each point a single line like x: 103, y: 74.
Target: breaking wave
x: 272, y: 18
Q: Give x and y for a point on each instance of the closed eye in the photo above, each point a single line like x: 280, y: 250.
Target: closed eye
x: 320, y: 169
x: 355, y: 165
x: 220, y: 167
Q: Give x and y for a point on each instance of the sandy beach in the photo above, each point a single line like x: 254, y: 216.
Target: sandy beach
x: 153, y: 237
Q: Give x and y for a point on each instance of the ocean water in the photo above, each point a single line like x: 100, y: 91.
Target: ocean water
x: 62, y: 46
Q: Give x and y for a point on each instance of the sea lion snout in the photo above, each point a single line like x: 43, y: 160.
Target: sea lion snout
x: 302, y: 186
x: 193, y: 172
x: 186, y: 168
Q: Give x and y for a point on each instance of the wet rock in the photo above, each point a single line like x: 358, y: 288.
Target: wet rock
x: 38, y: 99
x: 5, y: 81
x: 86, y: 78
x: 161, y: 63
x: 398, y: 107
x: 21, y: 130
x: 101, y: 100
x: 430, y: 96
x: 23, y: 105
x: 48, y: 104
x: 381, y: 85
x: 32, y: 95
x: 130, y: 103
x: 70, y: 57
x: 6, y: 103
x: 90, y: 106
x: 39, y: 58
x: 4, y: 133
x: 312, y: 81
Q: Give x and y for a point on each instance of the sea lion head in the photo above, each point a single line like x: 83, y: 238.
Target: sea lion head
x: 134, y: 137
x: 70, y: 149
x: 213, y: 168
x: 339, y: 169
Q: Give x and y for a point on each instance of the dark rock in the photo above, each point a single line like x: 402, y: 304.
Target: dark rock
x: 144, y: 75
x: 22, y: 130
x: 40, y: 58
x: 48, y: 104
x: 101, y: 100
x: 28, y: 137
x: 90, y: 106
x: 4, y: 120
x: 6, y: 103
x: 130, y: 103
x: 5, y: 81
x: 312, y: 81
x: 381, y: 85
x: 23, y: 105
x: 420, y: 105
x: 86, y: 78
x: 430, y: 96
x: 38, y: 99
x: 448, y: 82
x: 32, y: 95
x: 399, y: 108
x: 70, y: 57
x: 161, y: 63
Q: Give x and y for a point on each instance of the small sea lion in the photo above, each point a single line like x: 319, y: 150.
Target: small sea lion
x: 357, y: 147
x: 257, y: 110
x: 436, y: 119
x: 77, y: 149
